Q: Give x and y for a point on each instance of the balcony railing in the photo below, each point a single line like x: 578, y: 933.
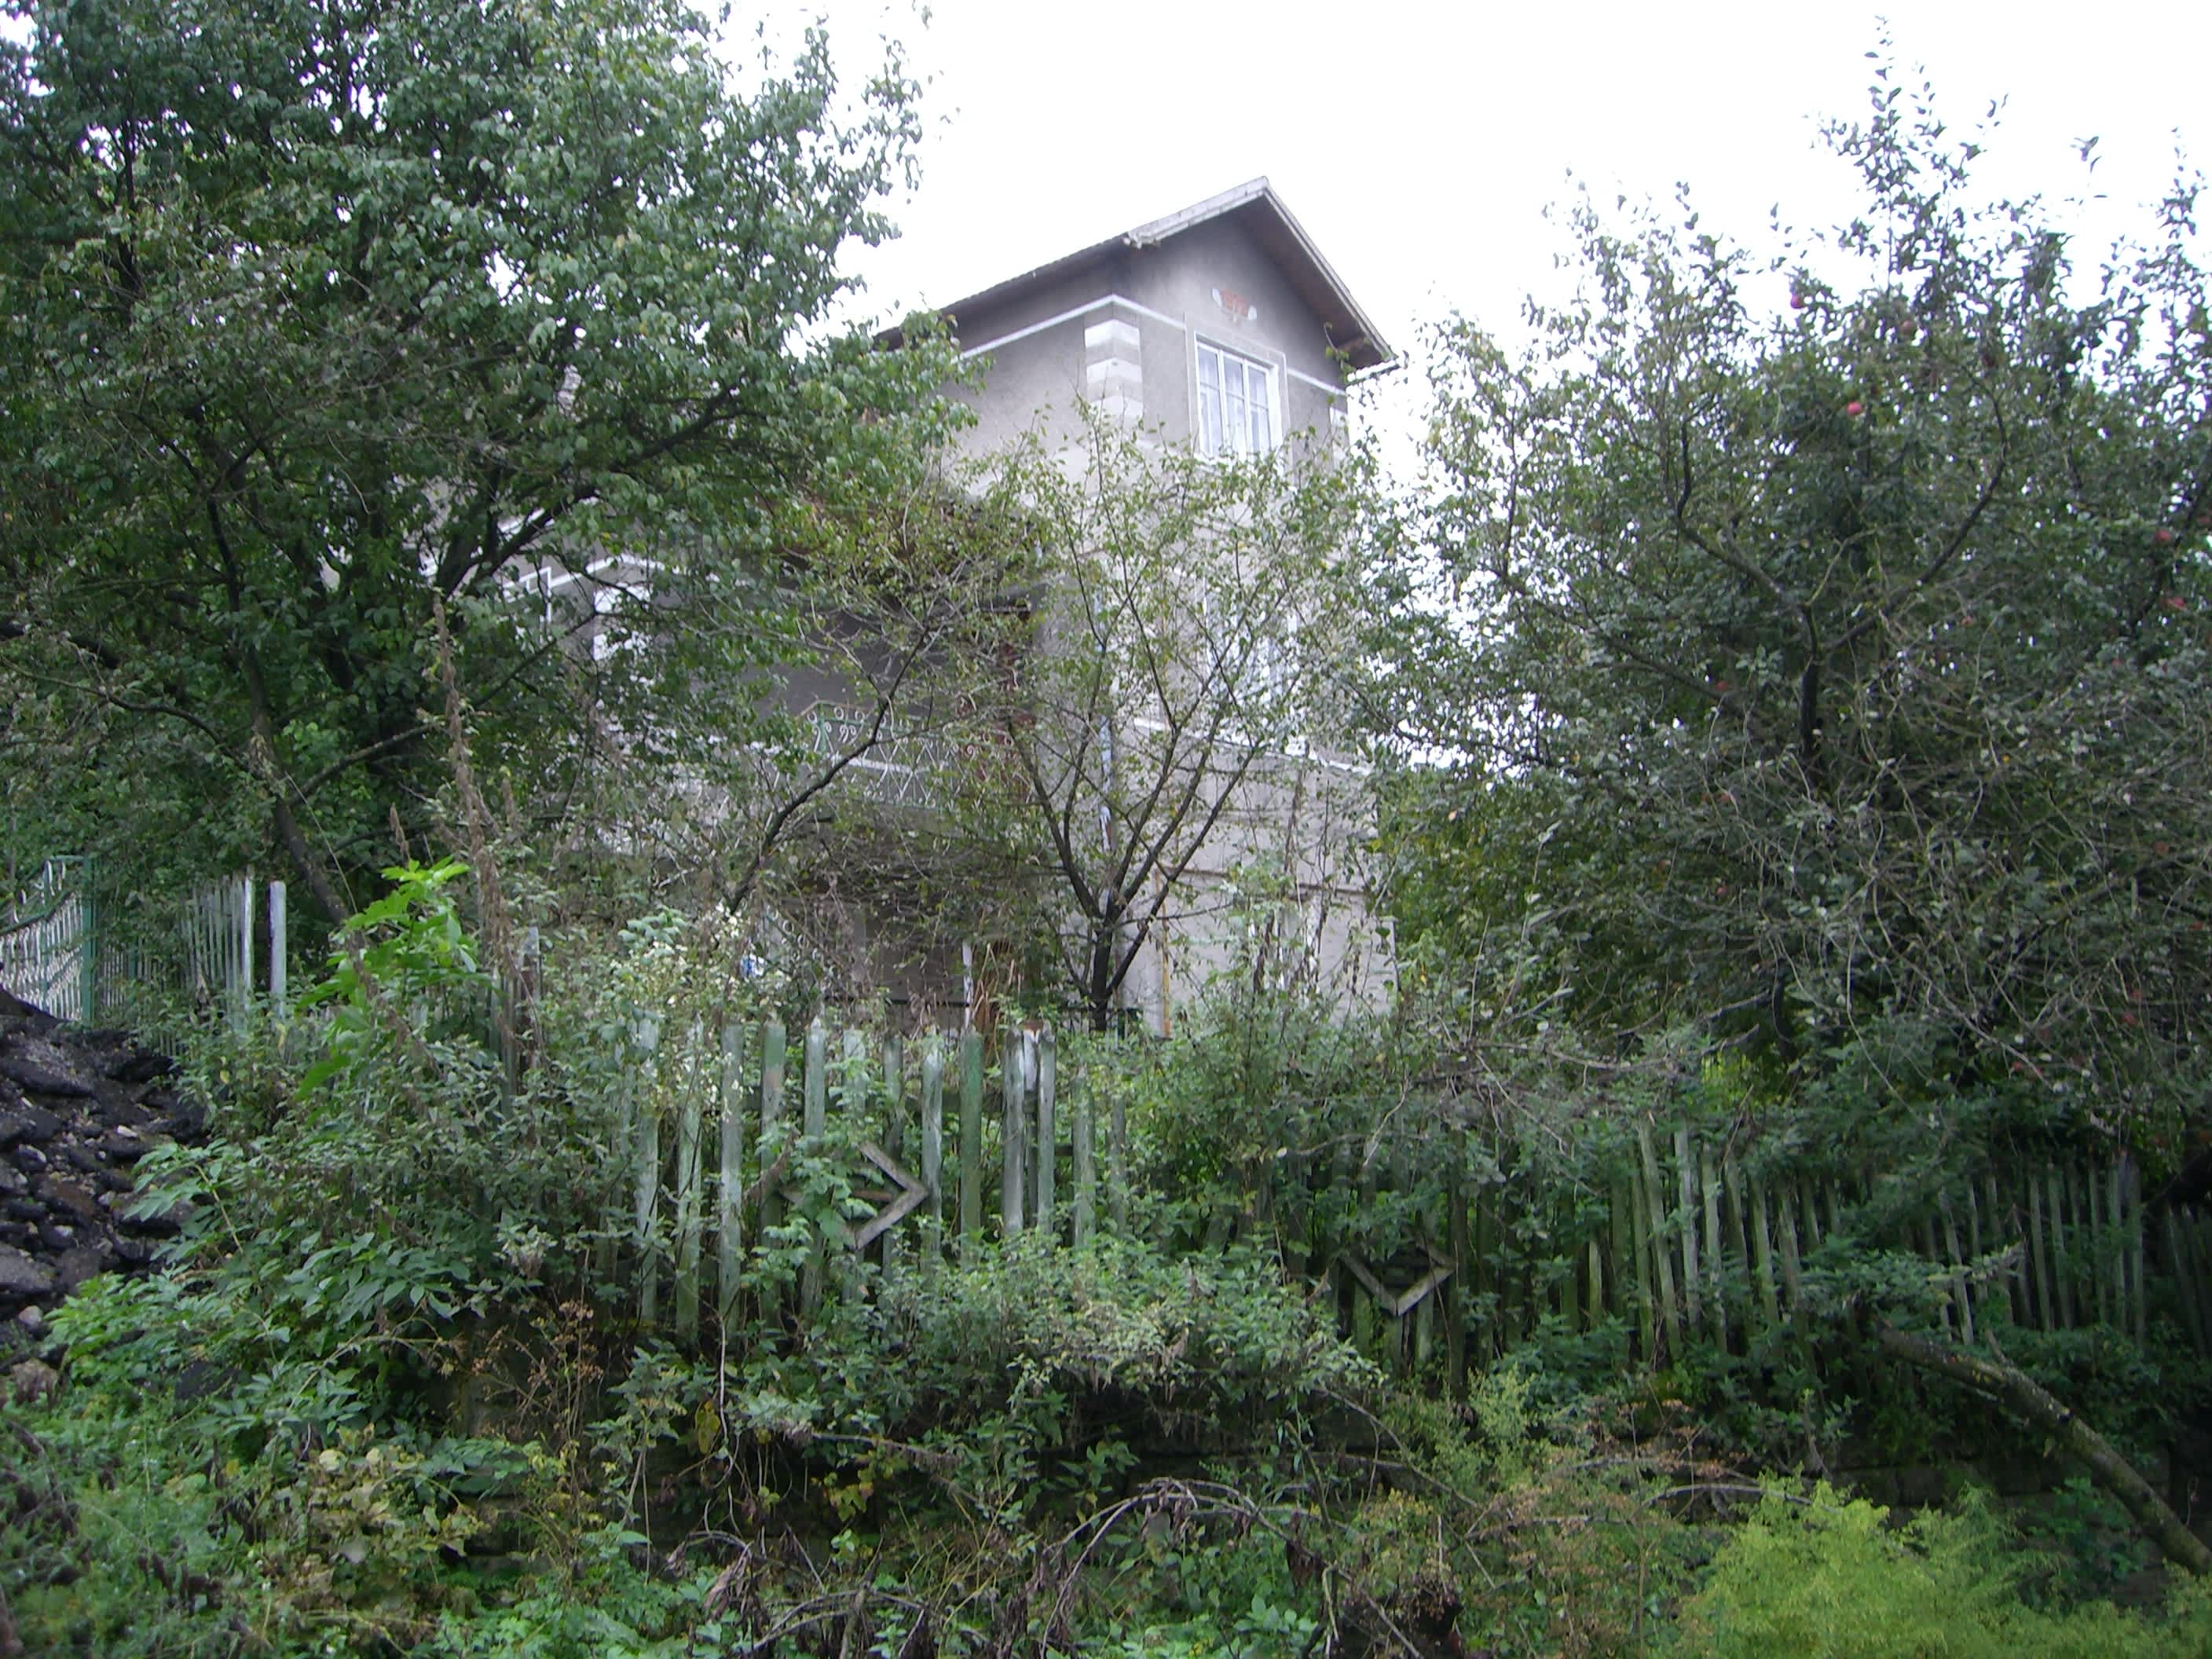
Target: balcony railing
x: 899, y: 768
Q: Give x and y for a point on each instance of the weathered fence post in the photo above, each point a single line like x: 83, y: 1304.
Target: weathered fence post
x: 932, y: 1148
x: 814, y: 1123
x: 1013, y: 1092
x: 894, y: 1124
x: 279, y: 948
x: 1716, y: 1262
x: 245, y: 1002
x: 730, y: 1189
x: 1685, y: 1181
x: 618, y: 1158
x: 688, y: 1179
x: 1662, y: 1259
x: 1117, y: 1163
x: 1047, y: 1126
x: 971, y: 1143
x: 645, y: 1206
x: 852, y: 1112
x: 1086, y: 1163
x: 774, y: 1139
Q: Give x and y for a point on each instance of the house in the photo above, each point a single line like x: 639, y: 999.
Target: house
x: 1220, y: 325
x: 1220, y: 328
x: 1218, y: 331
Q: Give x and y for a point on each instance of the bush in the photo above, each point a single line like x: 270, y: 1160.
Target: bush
x: 1827, y: 1578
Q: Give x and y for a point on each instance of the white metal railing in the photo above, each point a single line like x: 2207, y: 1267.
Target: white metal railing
x: 899, y: 768
x: 48, y: 953
x: 52, y: 954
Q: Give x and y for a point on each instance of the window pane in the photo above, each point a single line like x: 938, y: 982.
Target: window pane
x: 1235, y: 405
x: 1209, y: 402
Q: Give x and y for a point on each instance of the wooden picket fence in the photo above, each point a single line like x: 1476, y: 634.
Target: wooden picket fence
x: 1694, y: 1237
x: 721, y: 1168
x: 1688, y: 1236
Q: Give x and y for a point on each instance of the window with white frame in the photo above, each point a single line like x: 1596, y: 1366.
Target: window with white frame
x: 1236, y: 403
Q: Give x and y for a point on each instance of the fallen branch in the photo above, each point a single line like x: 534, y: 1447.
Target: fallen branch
x: 2027, y: 1397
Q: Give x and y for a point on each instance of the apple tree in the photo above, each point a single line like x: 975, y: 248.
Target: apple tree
x: 319, y: 317
x: 1811, y: 649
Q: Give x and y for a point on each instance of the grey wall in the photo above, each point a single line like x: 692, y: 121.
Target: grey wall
x: 1032, y: 382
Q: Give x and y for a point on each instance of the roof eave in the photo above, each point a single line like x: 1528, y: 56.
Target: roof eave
x: 1352, y: 334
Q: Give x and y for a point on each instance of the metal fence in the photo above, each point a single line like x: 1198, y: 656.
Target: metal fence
x: 49, y: 948
x: 219, y: 950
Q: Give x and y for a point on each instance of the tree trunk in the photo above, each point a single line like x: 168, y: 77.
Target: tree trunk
x: 1098, y: 992
x: 2031, y: 1400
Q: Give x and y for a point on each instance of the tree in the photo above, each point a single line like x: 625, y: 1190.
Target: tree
x: 1835, y: 680
x: 1180, y: 629
x: 319, y: 315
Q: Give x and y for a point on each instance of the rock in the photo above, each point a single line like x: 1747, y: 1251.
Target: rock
x: 66, y: 1197
x: 136, y: 1066
x: 156, y: 1223
x: 34, y: 1383
x: 84, y: 1159
x: 125, y: 1114
x: 22, y: 1277
x: 73, y: 1268
x: 62, y: 1193
x: 27, y: 1123
x: 186, y: 1120
x: 37, y: 1080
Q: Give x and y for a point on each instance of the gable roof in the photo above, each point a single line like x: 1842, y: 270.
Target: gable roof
x: 1254, y: 207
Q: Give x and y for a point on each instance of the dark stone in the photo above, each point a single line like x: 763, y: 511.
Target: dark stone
x: 29, y: 1159
x: 22, y: 1209
x: 22, y: 1277
x: 125, y: 1115
x: 14, y: 1183
x: 135, y: 1066
x: 40, y: 1081
x: 85, y: 1160
x: 57, y: 1237
x: 21, y: 1234
x: 74, y: 1267
x: 27, y: 1123
x: 202, y: 1377
x: 110, y: 1182
x: 156, y: 1224
x: 117, y: 1147
x: 62, y: 1193
x: 186, y: 1120
x: 133, y: 1252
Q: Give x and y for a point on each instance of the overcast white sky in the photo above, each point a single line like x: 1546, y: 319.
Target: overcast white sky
x: 1420, y: 144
